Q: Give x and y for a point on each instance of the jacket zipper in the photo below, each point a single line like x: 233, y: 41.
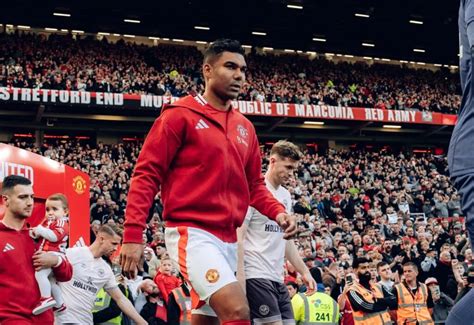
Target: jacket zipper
x: 229, y: 143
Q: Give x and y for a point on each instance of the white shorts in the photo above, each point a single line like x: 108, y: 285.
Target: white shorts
x: 204, y: 260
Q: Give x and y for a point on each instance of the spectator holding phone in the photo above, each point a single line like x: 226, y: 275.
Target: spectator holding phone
x: 445, y: 275
x: 442, y: 304
x: 369, y: 302
x: 467, y: 284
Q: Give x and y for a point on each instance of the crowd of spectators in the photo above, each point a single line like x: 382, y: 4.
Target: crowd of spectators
x: 61, y: 62
x: 388, y: 207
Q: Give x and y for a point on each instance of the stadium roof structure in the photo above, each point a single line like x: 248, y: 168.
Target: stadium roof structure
x: 412, y: 30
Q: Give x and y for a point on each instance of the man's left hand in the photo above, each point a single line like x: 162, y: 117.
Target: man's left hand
x: 288, y: 224
x: 44, y: 260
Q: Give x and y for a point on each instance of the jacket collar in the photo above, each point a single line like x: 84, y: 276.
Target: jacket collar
x: 198, y: 105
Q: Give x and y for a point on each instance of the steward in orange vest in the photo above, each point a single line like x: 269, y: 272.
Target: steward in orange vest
x: 414, y: 299
x: 370, y: 303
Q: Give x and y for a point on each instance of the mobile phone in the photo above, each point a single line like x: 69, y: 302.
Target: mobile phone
x: 349, y: 279
x: 435, y: 291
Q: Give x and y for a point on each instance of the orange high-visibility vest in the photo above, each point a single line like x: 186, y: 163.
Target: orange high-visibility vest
x: 412, y: 309
x: 184, y: 303
x: 363, y: 318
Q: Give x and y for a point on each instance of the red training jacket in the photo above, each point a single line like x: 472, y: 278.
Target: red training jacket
x: 60, y: 227
x: 208, y: 165
x: 19, y: 292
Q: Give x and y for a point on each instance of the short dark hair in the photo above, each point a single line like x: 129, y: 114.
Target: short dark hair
x: 413, y: 265
x: 293, y: 284
x: 11, y: 181
x: 358, y: 261
x: 222, y: 45
x: 381, y: 264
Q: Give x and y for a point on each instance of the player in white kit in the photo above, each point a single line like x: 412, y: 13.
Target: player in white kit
x: 263, y: 249
x: 90, y: 274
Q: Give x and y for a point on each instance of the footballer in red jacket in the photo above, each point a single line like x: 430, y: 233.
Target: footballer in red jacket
x: 204, y: 156
x: 18, y: 259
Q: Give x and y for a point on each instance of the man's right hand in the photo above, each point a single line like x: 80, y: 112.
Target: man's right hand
x: 288, y: 223
x: 131, y: 259
x: 311, y: 285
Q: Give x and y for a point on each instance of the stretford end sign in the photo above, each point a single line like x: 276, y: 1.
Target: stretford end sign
x: 306, y: 111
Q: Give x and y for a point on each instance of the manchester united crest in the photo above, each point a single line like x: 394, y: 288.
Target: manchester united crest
x: 242, y: 131
x: 79, y: 184
x: 212, y: 275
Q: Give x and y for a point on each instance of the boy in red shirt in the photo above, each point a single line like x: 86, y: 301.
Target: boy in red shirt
x: 165, y: 280
x: 53, y: 234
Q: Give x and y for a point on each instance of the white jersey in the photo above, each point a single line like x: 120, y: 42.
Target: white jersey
x: 264, y: 245
x: 89, y: 276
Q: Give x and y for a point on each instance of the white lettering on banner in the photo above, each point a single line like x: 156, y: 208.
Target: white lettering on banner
x: 63, y: 97
x: 156, y: 101
x: 15, y: 93
x: 374, y: 114
x: 254, y: 108
x: 4, y: 94
x: 109, y: 99
x: 85, y: 97
x: 45, y: 97
x: 368, y: 114
x: 36, y: 95
x: 150, y: 101
x: 74, y: 97
x: 299, y: 110
x: 401, y: 116
x: 324, y: 111
x: 9, y: 168
x: 282, y: 109
x: 390, y: 116
x: 99, y: 98
x: 26, y: 95
x: 279, y: 107
x: 53, y: 95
